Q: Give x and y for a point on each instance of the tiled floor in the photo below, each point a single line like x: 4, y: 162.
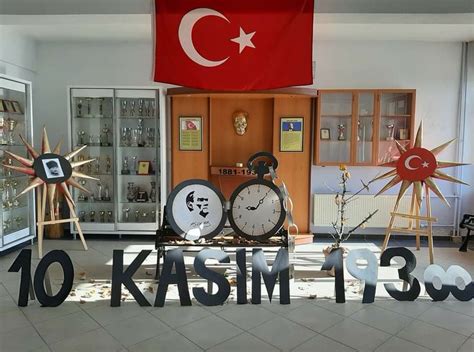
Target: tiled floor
x: 86, y: 322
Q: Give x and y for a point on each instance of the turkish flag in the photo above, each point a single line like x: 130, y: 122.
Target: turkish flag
x: 234, y: 45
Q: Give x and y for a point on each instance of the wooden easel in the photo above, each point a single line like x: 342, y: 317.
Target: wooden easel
x: 414, y: 219
x: 41, y: 194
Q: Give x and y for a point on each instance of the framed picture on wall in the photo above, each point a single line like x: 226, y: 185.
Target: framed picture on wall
x: 291, y: 134
x: 190, y: 133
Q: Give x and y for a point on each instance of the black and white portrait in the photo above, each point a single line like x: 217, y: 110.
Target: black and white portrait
x: 52, y: 168
x: 198, y: 204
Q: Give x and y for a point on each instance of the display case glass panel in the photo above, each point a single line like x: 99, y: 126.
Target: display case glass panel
x: 395, y: 123
x: 365, y: 127
x: 335, y: 127
x: 137, y: 159
x: 121, y: 130
x: 16, y: 215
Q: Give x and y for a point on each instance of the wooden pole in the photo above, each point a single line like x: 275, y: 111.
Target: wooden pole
x: 75, y: 219
x: 430, y: 224
x: 388, y: 231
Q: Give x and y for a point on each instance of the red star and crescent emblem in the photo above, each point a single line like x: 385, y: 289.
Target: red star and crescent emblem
x: 416, y: 164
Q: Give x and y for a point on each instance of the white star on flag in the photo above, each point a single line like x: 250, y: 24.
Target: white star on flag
x: 425, y: 164
x: 244, y: 40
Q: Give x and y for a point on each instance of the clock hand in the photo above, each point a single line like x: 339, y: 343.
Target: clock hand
x: 249, y: 207
x: 260, y: 202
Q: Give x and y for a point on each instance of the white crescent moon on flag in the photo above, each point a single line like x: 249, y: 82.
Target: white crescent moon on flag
x: 185, y: 32
x: 407, y: 162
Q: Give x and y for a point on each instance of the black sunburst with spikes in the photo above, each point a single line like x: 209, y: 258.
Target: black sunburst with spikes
x: 35, y: 168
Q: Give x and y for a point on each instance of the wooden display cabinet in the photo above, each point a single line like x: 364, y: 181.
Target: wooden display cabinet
x: 359, y: 127
x: 224, y: 154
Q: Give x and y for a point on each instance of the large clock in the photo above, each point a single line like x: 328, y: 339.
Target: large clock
x: 256, y: 207
x: 196, y: 209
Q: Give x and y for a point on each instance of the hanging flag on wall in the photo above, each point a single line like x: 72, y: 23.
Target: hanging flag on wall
x: 234, y: 45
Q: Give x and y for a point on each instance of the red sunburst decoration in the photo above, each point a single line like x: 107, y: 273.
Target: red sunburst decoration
x: 418, y: 166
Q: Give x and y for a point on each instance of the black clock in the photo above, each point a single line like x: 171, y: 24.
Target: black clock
x: 196, y: 209
x: 256, y: 207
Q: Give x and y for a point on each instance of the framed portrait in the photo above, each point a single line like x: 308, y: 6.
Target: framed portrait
x: 52, y: 168
x: 8, y: 106
x: 190, y: 133
x: 143, y: 168
x: 17, y: 107
x: 325, y: 134
x: 2, y: 107
x: 291, y: 134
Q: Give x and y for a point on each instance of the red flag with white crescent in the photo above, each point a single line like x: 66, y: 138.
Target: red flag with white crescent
x: 234, y: 45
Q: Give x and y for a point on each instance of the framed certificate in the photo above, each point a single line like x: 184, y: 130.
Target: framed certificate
x: 143, y: 168
x: 190, y: 133
x: 291, y: 134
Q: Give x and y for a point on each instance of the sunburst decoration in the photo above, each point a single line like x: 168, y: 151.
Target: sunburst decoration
x: 418, y: 166
x: 36, y: 169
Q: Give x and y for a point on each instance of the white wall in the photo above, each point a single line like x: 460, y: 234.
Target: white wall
x: 63, y: 64
x: 430, y: 67
x: 17, y: 55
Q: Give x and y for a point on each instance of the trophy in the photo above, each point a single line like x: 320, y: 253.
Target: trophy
x: 6, y: 195
x: 359, y: 130
x: 81, y: 135
x: 126, y: 214
x: 135, y: 137
x: 134, y: 165
x: 18, y: 221
x: 140, y: 142
x: 144, y: 216
x: 16, y: 202
x: 8, y: 171
x: 152, y: 108
x: 126, y: 136
x: 6, y: 225
x: 153, y: 215
x: 88, y: 100
x: 125, y: 168
x: 140, y: 107
x: 92, y: 216
x: 97, y: 166
x: 102, y: 216
x: 153, y: 192
x: 150, y: 137
x: 147, y: 108
x: 132, y: 108
x: 110, y: 216
x: 105, y: 136
x: 153, y: 167
x: 137, y: 215
x: 106, y: 197
x: 11, y: 124
x: 79, y: 108
x: 340, y: 128
x: 99, y: 191
x: 123, y: 107
x: 108, y: 164
x: 82, y: 216
x: 131, y: 192
x: 82, y: 196
x: 390, y: 131
x: 101, y: 107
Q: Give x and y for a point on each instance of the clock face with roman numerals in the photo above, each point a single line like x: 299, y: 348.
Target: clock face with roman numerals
x: 256, y: 210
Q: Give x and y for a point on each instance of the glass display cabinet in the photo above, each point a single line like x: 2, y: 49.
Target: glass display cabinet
x: 122, y: 130
x: 396, y: 120
x: 17, y: 215
x: 360, y: 127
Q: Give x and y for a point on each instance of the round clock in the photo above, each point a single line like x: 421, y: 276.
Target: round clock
x: 196, y: 209
x: 256, y: 207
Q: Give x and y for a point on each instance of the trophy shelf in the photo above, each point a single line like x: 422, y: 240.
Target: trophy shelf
x: 359, y: 127
x: 17, y: 216
x: 121, y: 126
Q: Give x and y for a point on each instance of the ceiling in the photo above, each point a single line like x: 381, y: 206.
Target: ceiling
x: 106, y: 20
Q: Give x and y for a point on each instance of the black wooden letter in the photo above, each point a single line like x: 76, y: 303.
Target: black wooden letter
x: 23, y: 263
x: 223, y: 284
x: 240, y: 258
x: 174, y: 256
x: 120, y: 277
x: 335, y: 260
x: 280, y: 267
